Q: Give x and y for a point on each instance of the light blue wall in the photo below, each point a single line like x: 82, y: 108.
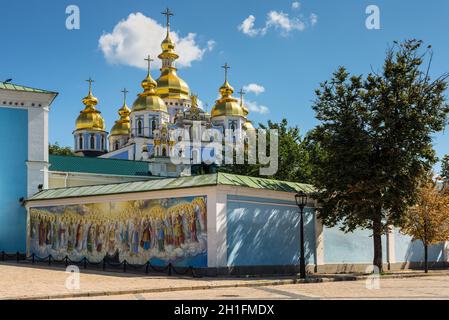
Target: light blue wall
x: 407, y: 250
x: 355, y: 247
x: 264, y: 231
x: 123, y: 155
x: 13, y: 179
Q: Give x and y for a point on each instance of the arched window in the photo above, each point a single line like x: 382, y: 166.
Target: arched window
x: 139, y: 127
x: 102, y: 143
x: 164, y: 152
x: 116, y: 146
x: 153, y: 125
x: 80, y: 143
x: 92, y: 142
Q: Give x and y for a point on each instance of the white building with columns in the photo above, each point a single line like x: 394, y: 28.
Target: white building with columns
x: 24, y: 113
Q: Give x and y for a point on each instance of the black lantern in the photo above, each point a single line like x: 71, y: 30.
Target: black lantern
x: 301, y: 199
x: 301, y: 202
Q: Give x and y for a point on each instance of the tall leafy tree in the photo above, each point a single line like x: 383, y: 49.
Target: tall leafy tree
x: 375, y: 141
x: 428, y: 219
x: 293, y: 156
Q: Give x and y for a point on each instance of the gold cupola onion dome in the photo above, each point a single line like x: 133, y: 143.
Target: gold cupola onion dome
x: 169, y: 84
x: 149, y: 100
x: 227, y: 105
x: 122, y: 126
x: 90, y: 118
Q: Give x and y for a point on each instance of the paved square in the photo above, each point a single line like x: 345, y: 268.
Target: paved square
x: 40, y: 282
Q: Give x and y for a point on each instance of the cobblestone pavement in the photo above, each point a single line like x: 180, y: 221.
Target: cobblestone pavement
x: 41, y: 283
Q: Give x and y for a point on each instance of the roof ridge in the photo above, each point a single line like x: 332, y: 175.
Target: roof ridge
x: 25, y: 88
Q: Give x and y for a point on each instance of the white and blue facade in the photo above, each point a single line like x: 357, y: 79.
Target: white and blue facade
x: 25, y: 162
x: 257, y: 230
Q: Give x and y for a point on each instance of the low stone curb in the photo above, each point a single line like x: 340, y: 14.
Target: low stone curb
x: 260, y: 283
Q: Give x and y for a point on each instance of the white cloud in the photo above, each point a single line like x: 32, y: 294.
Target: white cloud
x: 247, y: 27
x: 254, y: 88
x: 211, y: 45
x: 313, y: 19
x: 278, y: 20
x: 133, y: 38
x: 296, y: 5
x: 255, y: 107
x: 281, y: 20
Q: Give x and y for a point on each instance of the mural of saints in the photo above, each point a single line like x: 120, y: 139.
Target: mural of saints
x: 161, y: 231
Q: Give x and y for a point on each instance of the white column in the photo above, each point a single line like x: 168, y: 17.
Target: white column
x: 217, y: 249
x: 37, y: 163
x: 319, y: 242
x: 391, y: 254
x: 212, y: 228
x: 222, y: 222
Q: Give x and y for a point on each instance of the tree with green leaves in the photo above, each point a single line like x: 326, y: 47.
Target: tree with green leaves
x: 55, y: 149
x: 293, y: 158
x: 375, y: 141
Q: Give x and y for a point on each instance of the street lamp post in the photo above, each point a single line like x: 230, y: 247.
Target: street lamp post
x: 301, y: 201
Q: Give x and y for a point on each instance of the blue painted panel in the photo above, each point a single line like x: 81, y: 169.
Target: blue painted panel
x: 13, y: 182
x: 355, y: 247
x: 260, y: 233
x: 407, y: 250
x: 123, y: 156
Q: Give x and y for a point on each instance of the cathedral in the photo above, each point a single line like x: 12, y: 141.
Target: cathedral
x: 146, y: 131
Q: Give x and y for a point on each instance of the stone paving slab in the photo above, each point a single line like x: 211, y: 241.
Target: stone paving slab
x: 410, y: 288
x: 43, y: 282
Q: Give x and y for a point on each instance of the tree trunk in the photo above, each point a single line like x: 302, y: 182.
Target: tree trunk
x: 426, y: 259
x: 377, y: 238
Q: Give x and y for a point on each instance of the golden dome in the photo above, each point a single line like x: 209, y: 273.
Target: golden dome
x: 90, y: 118
x: 169, y: 84
x: 227, y: 105
x: 122, y: 126
x: 148, y: 100
x: 248, y: 125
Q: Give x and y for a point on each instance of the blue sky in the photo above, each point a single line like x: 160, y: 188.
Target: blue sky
x: 289, y: 62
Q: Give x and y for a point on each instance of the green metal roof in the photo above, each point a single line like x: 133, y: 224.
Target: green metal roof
x: 16, y: 87
x: 172, y: 183
x: 98, y: 165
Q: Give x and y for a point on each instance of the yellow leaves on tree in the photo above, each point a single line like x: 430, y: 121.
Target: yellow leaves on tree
x: 428, y: 220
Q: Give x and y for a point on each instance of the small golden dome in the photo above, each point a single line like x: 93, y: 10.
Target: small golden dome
x: 227, y: 105
x: 122, y: 126
x: 169, y: 84
x: 148, y: 100
x: 248, y: 125
x: 168, y: 46
x: 90, y: 118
